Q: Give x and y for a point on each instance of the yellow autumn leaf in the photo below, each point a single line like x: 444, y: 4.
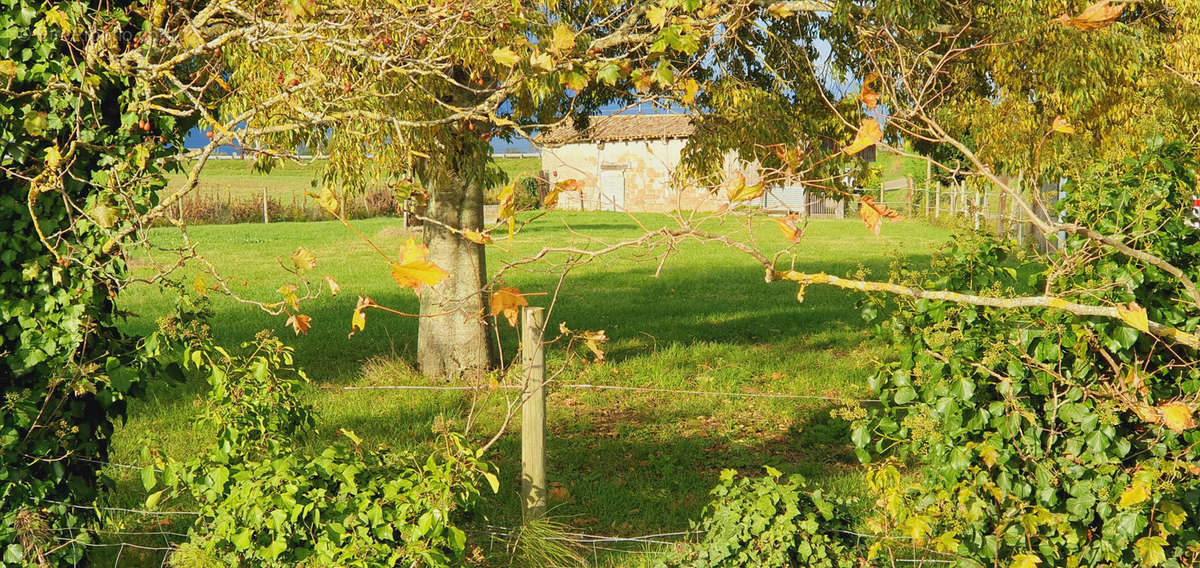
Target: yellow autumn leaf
x: 104, y: 216
x: 1062, y: 126
x: 690, y: 88
x: 1177, y: 416
x: 508, y: 301
x: 1096, y: 16
x: 551, y: 199
x: 1173, y: 514
x: 739, y: 191
x: 56, y: 17
x: 53, y: 157
x: 1134, y: 316
x: 541, y: 61
x: 593, y: 339
x: 508, y: 207
x: 304, y: 260
x: 1134, y: 494
x: 562, y: 40
x: 869, y: 133
x: 358, y: 321
x: 200, y: 285
x: 1025, y: 561
x: 8, y: 68
x: 414, y: 269
x: 327, y: 200
x: 657, y: 16
x: 505, y: 56
x: 334, y: 288
x: 478, y: 237
x: 288, y: 291
x: 300, y: 323
x: 790, y: 228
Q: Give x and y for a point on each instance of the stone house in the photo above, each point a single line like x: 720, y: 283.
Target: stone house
x: 624, y: 162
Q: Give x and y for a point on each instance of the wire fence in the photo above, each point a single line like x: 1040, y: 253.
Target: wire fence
x: 459, y: 388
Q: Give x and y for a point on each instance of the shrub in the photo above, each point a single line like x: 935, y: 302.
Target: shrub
x: 1045, y: 438
x: 265, y: 503
x: 768, y: 522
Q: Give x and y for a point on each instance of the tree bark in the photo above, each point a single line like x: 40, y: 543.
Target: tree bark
x: 454, y: 335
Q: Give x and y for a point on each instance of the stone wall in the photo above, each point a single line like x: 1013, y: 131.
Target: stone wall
x: 647, y: 167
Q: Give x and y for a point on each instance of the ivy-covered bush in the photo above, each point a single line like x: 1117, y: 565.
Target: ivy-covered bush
x: 265, y: 501
x: 79, y: 161
x: 1046, y: 439
x: 768, y: 521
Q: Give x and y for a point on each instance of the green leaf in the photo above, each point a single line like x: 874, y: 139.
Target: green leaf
x: 493, y: 481
x: 153, y: 499
x: 14, y: 554
x: 1025, y: 561
x: 905, y: 395
x: 1150, y: 550
x: 664, y: 74
x: 149, y: 479
x: 273, y: 550
x: 609, y: 74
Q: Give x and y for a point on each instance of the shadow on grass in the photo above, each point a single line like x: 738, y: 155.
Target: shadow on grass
x: 648, y: 466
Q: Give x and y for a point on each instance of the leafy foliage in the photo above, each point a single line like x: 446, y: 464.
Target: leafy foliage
x: 263, y: 502
x: 1047, y: 439
x: 79, y: 160
x: 768, y: 522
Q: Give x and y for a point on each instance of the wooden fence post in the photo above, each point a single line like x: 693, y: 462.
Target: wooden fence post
x: 533, y: 414
x: 266, y: 219
x: 909, y: 197
x: 937, y: 202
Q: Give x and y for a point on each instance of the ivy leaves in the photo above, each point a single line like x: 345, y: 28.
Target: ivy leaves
x: 1085, y: 425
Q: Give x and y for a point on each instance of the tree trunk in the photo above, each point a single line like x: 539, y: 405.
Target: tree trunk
x: 454, y: 336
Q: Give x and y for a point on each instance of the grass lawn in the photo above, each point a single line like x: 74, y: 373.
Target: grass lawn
x: 233, y: 179
x: 619, y: 462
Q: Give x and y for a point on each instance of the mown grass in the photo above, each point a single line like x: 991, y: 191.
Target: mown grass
x: 619, y: 462
x: 234, y: 180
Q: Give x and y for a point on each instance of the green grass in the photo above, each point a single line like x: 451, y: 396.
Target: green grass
x: 623, y: 463
x: 233, y: 179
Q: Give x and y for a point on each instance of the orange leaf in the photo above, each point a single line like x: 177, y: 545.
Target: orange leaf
x: 1099, y: 15
x: 1062, y: 126
x: 868, y: 96
x: 300, y: 322
x: 873, y: 214
x: 791, y: 231
x: 551, y: 198
x: 414, y: 269
x: 508, y: 301
x: 358, y: 321
x: 869, y: 133
x: 739, y: 191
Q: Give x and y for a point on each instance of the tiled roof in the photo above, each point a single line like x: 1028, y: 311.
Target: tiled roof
x: 618, y: 127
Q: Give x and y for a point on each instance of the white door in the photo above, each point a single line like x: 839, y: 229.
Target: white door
x: 612, y: 190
